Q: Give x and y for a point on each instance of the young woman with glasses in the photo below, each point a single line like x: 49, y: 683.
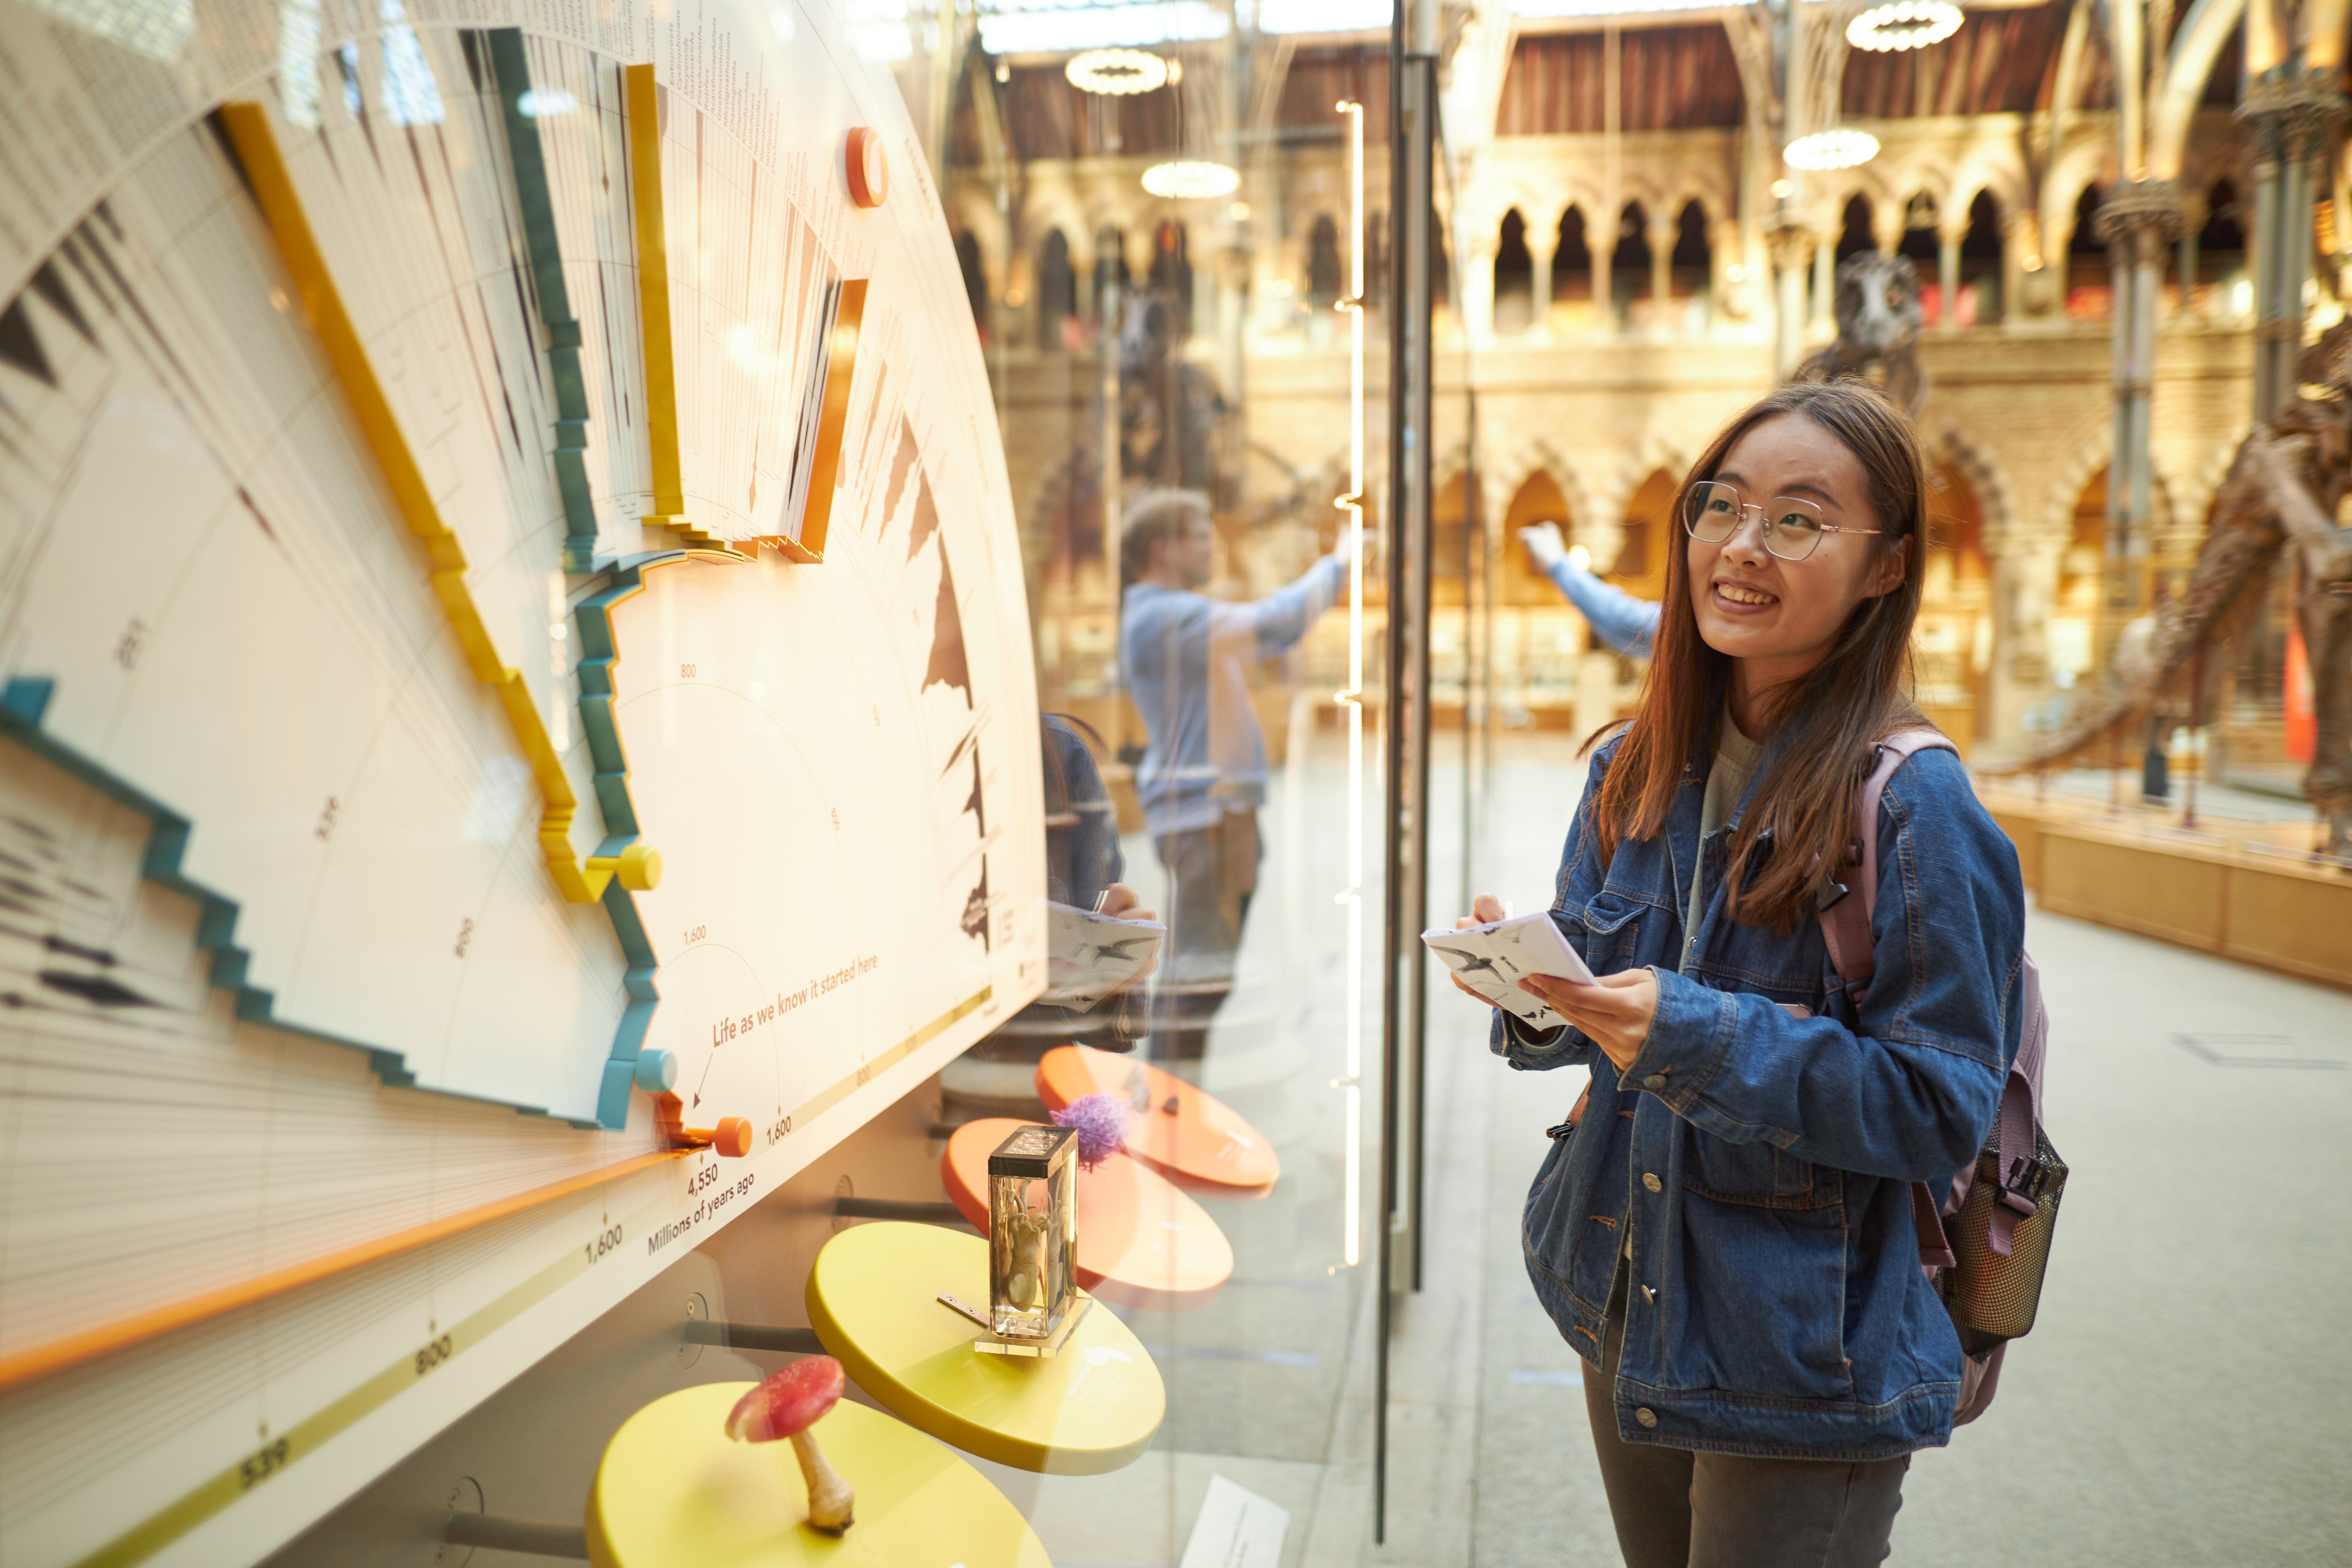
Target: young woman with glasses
x: 1722, y: 1228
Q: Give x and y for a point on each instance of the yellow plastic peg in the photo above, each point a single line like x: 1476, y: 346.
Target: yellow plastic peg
x: 639, y: 867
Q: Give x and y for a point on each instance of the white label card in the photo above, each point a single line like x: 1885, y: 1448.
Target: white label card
x: 1237, y: 1528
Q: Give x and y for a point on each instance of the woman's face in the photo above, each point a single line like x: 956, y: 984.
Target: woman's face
x: 1779, y: 617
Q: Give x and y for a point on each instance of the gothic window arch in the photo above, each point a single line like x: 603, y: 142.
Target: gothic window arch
x: 1514, y: 275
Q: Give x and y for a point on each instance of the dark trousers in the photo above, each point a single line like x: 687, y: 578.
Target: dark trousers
x: 1674, y: 1509
x: 1212, y: 872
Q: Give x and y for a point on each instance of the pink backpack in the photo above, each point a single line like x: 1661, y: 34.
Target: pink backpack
x: 1985, y: 1248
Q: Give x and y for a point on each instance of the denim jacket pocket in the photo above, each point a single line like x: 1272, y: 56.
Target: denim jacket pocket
x: 1546, y: 1234
x: 1787, y: 1269
x: 1610, y: 930
x: 1756, y: 1174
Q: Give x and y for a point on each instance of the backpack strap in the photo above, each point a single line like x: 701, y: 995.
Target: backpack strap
x: 1846, y: 920
x: 1845, y: 927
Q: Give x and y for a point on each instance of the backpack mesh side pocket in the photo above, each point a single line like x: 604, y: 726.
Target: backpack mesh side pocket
x: 1993, y: 1298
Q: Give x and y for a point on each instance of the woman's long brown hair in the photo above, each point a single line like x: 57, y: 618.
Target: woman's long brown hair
x: 1826, y: 722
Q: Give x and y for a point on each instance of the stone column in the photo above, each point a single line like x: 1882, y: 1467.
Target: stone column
x: 1541, y: 247
x: 1887, y: 227
x: 1947, y: 280
x: 1791, y: 245
x: 2193, y: 215
x: 2025, y: 280
x: 2294, y: 119
x: 2138, y: 220
x: 1825, y: 282
x: 1663, y: 232
x: 1081, y: 271
x: 1479, y: 289
x: 2024, y: 590
x: 1732, y: 264
x: 1600, y: 239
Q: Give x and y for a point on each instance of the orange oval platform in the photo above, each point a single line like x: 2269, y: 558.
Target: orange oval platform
x: 1143, y: 1241
x: 1200, y: 1142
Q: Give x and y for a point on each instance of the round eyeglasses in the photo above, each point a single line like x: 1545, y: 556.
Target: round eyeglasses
x: 1714, y: 511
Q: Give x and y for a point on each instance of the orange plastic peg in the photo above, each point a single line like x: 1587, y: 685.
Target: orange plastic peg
x: 730, y: 1137
x: 868, y: 167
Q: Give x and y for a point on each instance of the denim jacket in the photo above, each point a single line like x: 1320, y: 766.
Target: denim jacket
x: 1756, y: 1151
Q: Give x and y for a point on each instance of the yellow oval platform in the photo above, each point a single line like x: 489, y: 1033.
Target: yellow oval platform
x: 1143, y: 1241
x: 872, y: 1299
x: 1201, y: 1143
x: 674, y: 1490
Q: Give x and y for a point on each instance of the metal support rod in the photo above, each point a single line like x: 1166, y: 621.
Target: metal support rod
x: 1416, y: 536
x: 1398, y: 229
x: 516, y: 1535
x: 897, y: 1208
x: 754, y: 1336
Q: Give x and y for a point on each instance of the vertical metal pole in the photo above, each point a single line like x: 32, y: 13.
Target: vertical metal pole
x: 1395, y: 491
x: 1415, y: 536
x: 1474, y: 714
x: 1351, y: 705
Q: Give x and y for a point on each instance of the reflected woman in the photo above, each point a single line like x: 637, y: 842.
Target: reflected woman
x: 1722, y: 1228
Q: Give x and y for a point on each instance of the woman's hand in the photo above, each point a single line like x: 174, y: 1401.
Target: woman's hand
x: 1613, y: 1012
x: 1484, y: 910
x: 1118, y: 902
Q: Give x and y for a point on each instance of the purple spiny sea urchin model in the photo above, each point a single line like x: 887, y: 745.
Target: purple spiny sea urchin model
x: 1101, y: 1123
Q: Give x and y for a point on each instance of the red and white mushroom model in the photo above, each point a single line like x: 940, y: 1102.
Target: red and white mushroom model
x: 787, y: 1406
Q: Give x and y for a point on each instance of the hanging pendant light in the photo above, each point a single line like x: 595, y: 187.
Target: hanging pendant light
x: 1187, y: 180
x: 1117, y: 73
x: 1841, y: 147
x: 1903, y: 25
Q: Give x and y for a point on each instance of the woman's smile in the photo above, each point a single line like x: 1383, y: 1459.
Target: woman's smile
x: 1741, y: 598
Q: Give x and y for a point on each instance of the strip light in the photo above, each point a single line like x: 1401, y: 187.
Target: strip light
x: 1840, y: 148
x: 1186, y: 180
x: 1117, y: 73
x: 1351, y: 898
x: 1903, y: 25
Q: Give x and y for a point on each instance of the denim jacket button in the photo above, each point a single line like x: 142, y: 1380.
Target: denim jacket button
x: 1652, y: 1182
x: 1646, y: 1416
x: 1654, y: 1080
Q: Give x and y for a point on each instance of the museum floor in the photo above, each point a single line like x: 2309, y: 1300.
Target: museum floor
x: 2186, y: 1400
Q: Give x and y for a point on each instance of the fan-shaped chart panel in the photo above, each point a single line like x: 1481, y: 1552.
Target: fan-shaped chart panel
x: 1183, y: 1132
x: 480, y: 604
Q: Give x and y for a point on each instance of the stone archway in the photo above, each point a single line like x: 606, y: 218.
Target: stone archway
x: 1539, y: 498
x: 1952, y: 642
x: 1648, y: 532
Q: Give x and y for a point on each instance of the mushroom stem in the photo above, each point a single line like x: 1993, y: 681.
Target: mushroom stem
x: 829, y: 1496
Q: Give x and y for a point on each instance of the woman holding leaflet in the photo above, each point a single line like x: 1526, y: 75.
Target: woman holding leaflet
x: 1723, y: 1230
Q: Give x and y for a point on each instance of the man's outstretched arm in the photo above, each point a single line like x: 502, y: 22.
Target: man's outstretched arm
x: 1619, y: 619
x: 1267, y: 626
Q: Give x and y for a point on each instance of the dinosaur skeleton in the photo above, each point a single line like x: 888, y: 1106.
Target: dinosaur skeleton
x: 1878, y: 318
x: 2282, y: 498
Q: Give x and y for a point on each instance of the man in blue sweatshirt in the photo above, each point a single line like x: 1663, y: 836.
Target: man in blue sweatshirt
x: 1624, y: 623
x: 1186, y: 660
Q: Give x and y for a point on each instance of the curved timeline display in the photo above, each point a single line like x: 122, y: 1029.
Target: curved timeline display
x: 483, y: 626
